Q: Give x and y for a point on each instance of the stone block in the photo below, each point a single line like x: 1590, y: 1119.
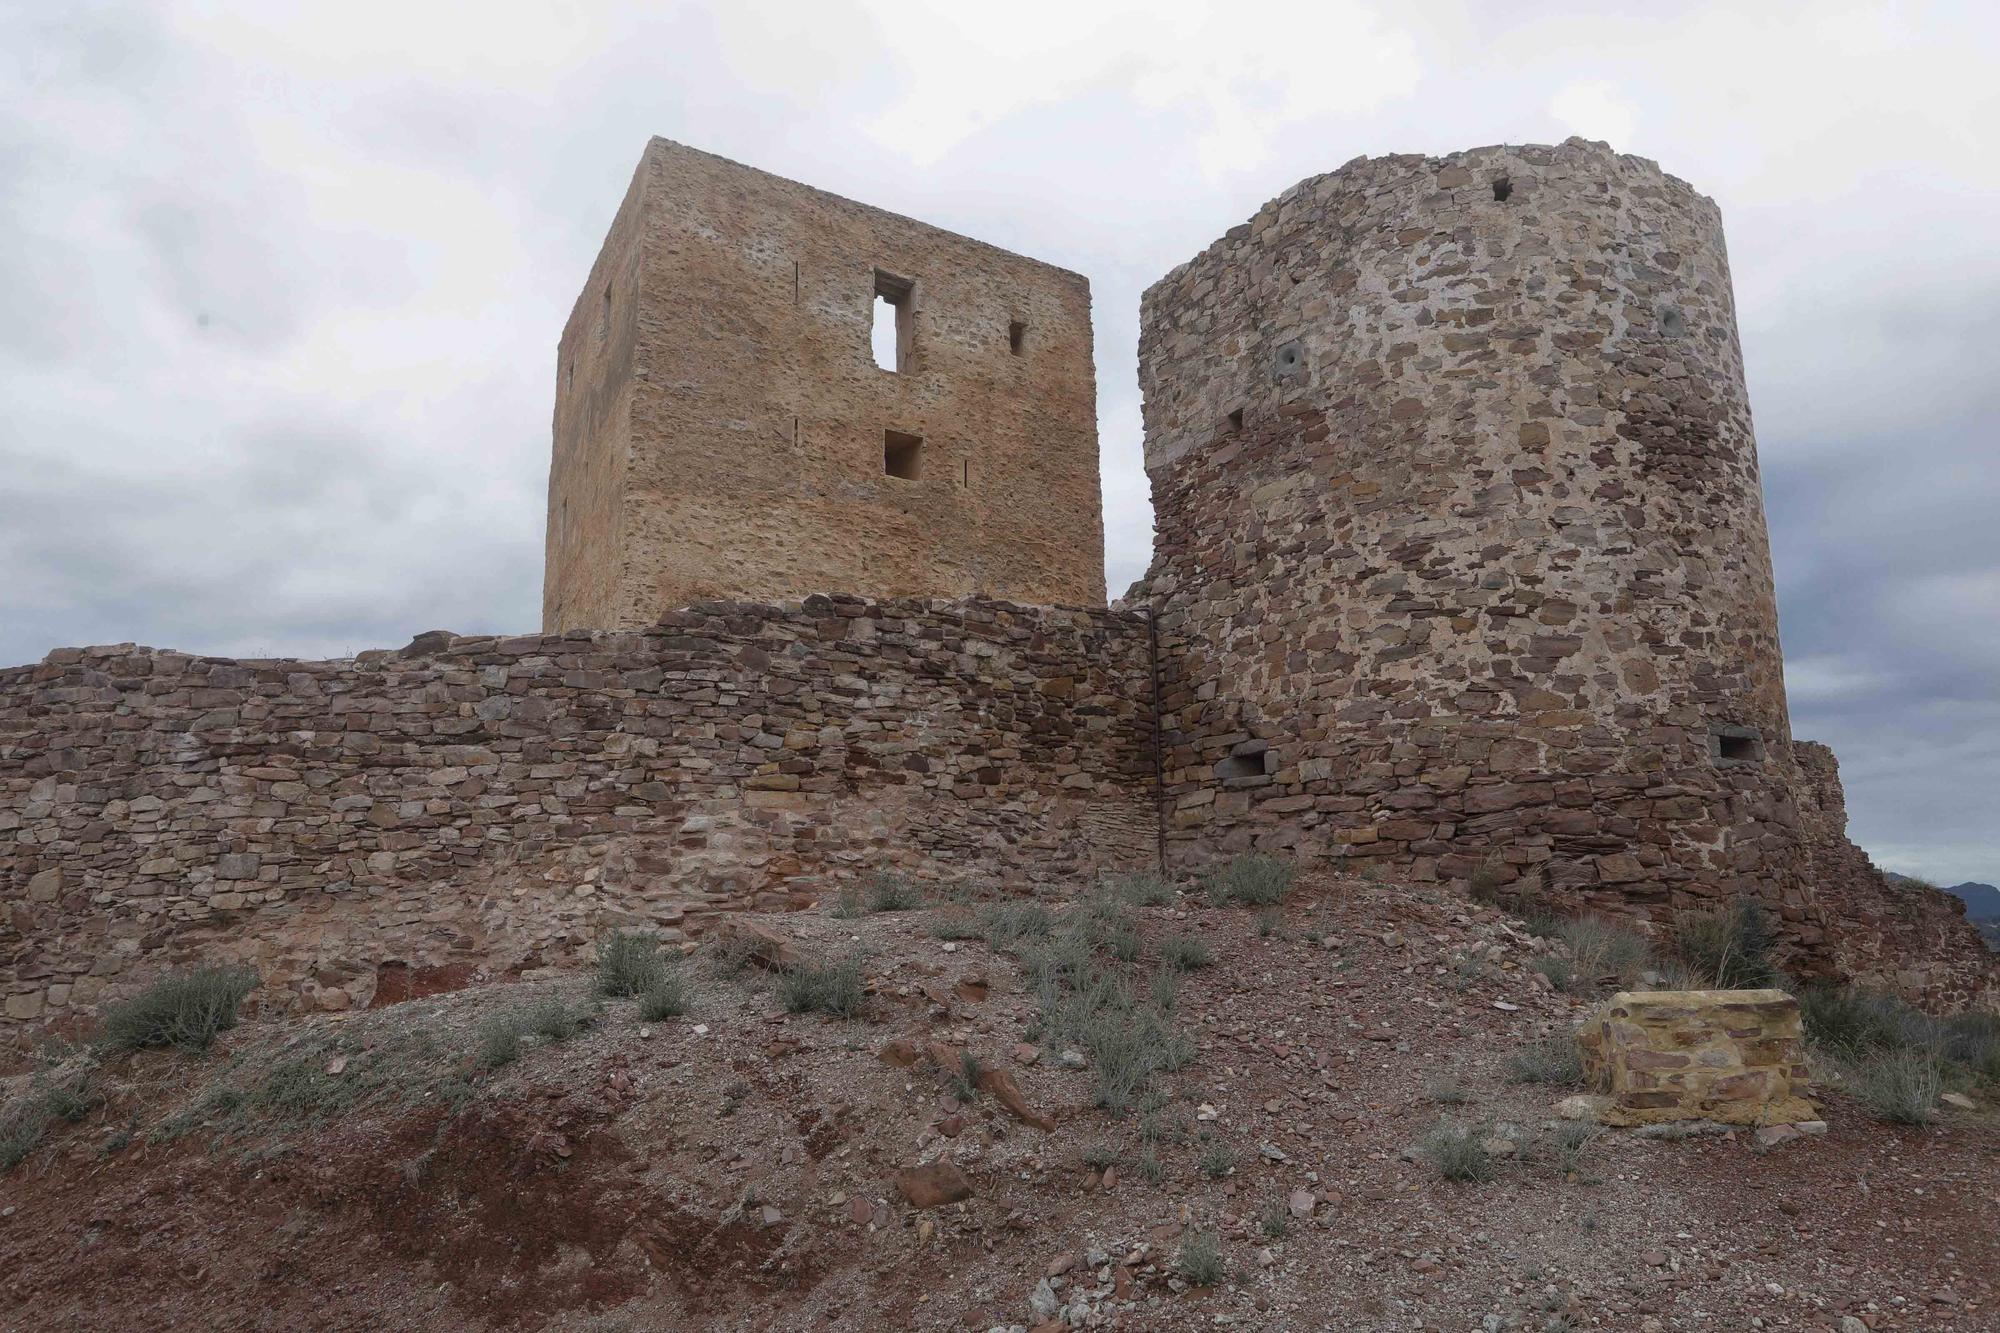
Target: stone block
x: 1730, y: 1056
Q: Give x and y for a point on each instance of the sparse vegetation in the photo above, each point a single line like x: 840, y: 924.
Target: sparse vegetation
x: 1554, y: 1060
x: 628, y: 963
x: 187, y: 1010
x: 1275, y: 1222
x: 1140, y: 889
x: 1602, y: 950
x: 1099, y: 1155
x: 667, y: 997
x: 891, y: 892
x: 1186, y: 953
x: 1147, y: 1164
x: 831, y: 986
x: 1459, y: 1152
x: 51, y: 1096
x: 1900, y: 1086
x: 1446, y: 1090
x: 1201, y: 1259
x: 501, y: 1034
x: 1007, y: 925
x: 965, y: 1080
x: 1217, y: 1161
x: 956, y: 923
x: 1567, y: 1143
x: 1728, y: 947
x: 1894, y: 1058
x: 1252, y: 880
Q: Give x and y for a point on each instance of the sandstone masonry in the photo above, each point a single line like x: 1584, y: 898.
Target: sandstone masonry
x: 723, y: 430
x: 488, y: 804
x: 1460, y: 561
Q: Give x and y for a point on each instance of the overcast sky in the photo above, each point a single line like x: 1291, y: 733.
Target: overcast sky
x: 281, y: 289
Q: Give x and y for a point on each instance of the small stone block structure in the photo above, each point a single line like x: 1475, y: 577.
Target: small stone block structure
x: 1731, y: 1056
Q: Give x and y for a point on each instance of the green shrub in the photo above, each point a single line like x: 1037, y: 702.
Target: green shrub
x: 1147, y: 1164
x: 1554, y: 1060
x: 1142, y: 888
x: 1201, y: 1259
x: 1446, y: 1090
x: 1972, y: 1040
x: 553, y: 1020
x: 188, y: 1010
x: 1252, y: 880
x: 1185, y: 953
x: 1568, y: 1142
x: 628, y: 963
x: 1900, y: 1086
x: 1559, y: 968
x: 1007, y: 925
x: 1729, y: 947
x: 1100, y: 1155
x: 1849, y: 1021
x: 826, y: 986
x: 22, y: 1126
x: 965, y: 1082
x: 1217, y: 1161
x: 1459, y: 1152
x: 891, y: 892
x: 956, y: 924
x: 1275, y: 1222
x: 1603, y: 949
x: 667, y: 997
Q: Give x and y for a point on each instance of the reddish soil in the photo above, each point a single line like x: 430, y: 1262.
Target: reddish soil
x: 735, y: 1168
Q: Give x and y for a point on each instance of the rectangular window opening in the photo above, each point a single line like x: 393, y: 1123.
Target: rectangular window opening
x: 903, y: 455
x: 1236, y: 419
x: 1016, y: 331
x: 604, y: 316
x: 889, y: 337
x: 1737, y: 745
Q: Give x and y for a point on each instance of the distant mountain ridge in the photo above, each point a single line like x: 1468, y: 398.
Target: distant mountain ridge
x: 1982, y: 901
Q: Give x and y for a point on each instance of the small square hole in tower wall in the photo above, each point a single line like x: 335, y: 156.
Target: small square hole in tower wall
x: 1736, y: 745
x: 1502, y: 187
x: 1016, y: 331
x: 903, y: 455
x: 889, y: 336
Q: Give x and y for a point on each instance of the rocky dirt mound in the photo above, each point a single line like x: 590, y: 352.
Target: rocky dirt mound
x: 530, y: 1156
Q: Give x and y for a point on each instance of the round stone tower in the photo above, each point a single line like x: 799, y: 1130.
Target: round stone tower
x: 1460, y: 550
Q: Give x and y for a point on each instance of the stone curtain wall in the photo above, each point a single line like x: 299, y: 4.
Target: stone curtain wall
x: 1461, y: 547
x: 478, y: 805
x: 1911, y: 939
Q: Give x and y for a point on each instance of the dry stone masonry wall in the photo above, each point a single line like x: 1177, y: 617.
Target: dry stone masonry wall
x: 487, y: 804
x: 1460, y: 562
x: 1461, y: 551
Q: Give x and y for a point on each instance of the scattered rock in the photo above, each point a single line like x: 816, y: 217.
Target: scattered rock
x: 933, y: 1186
x: 1959, y: 1100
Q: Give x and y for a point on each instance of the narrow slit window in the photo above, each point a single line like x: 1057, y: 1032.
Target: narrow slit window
x: 604, y: 316
x: 1236, y: 419
x: 889, y: 338
x: 903, y: 455
x: 1016, y: 331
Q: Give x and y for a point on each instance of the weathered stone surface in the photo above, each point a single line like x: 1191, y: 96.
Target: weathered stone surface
x: 1734, y: 1057
x: 485, y: 801
x: 721, y: 424
x: 933, y: 1186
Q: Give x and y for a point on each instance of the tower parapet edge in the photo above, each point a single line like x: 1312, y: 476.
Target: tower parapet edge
x: 1460, y: 549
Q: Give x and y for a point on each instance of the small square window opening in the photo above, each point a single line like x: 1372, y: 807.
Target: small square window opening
x: 903, y: 455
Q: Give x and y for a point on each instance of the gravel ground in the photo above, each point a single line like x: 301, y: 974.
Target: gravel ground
x: 742, y: 1167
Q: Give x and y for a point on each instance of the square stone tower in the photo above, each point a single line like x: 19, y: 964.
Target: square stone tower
x: 723, y: 427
